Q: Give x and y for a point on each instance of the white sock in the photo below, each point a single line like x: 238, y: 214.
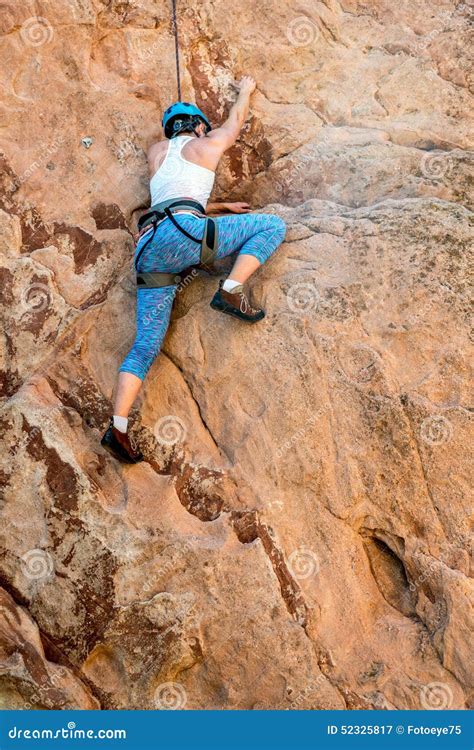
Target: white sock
x: 229, y: 285
x: 120, y: 423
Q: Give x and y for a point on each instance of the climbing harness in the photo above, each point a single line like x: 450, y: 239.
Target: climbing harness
x: 165, y: 210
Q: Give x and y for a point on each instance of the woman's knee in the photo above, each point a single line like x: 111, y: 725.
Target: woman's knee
x: 276, y: 225
x: 139, y: 359
x: 280, y: 228
x: 277, y: 232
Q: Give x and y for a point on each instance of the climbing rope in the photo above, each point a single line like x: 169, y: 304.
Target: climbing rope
x: 176, y: 44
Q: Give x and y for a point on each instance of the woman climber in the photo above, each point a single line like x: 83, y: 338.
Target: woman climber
x: 177, y: 234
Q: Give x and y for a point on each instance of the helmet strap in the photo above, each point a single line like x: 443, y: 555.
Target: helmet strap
x: 194, y: 123
x: 177, y: 129
x: 191, y: 124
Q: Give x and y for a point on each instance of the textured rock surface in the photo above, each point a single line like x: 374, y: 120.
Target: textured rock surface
x: 299, y: 536
x: 27, y: 674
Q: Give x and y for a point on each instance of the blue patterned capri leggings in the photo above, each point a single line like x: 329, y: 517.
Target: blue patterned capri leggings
x: 171, y: 252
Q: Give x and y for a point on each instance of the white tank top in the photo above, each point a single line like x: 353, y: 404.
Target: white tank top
x: 179, y: 178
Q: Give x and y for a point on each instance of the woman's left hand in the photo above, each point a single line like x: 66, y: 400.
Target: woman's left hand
x: 238, y: 208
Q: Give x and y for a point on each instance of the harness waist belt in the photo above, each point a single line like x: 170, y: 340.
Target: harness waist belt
x: 158, y: 211
x: 156, y: 214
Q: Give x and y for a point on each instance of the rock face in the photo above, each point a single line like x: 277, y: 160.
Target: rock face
x: 299, y: 534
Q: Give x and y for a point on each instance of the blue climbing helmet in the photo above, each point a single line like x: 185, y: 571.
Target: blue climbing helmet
x: 180, y: 116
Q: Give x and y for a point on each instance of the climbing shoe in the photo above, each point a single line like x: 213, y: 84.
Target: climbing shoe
x: 118, y: 444
x: 236, y: 303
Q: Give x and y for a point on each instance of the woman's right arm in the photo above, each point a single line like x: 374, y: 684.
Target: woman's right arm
x: 225, y: 136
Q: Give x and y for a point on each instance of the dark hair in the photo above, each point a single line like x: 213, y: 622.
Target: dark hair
x: 182, y: 124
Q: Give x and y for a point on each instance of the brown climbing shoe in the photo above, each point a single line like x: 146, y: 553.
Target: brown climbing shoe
x: 118, y: 444
x: 236, y: 303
